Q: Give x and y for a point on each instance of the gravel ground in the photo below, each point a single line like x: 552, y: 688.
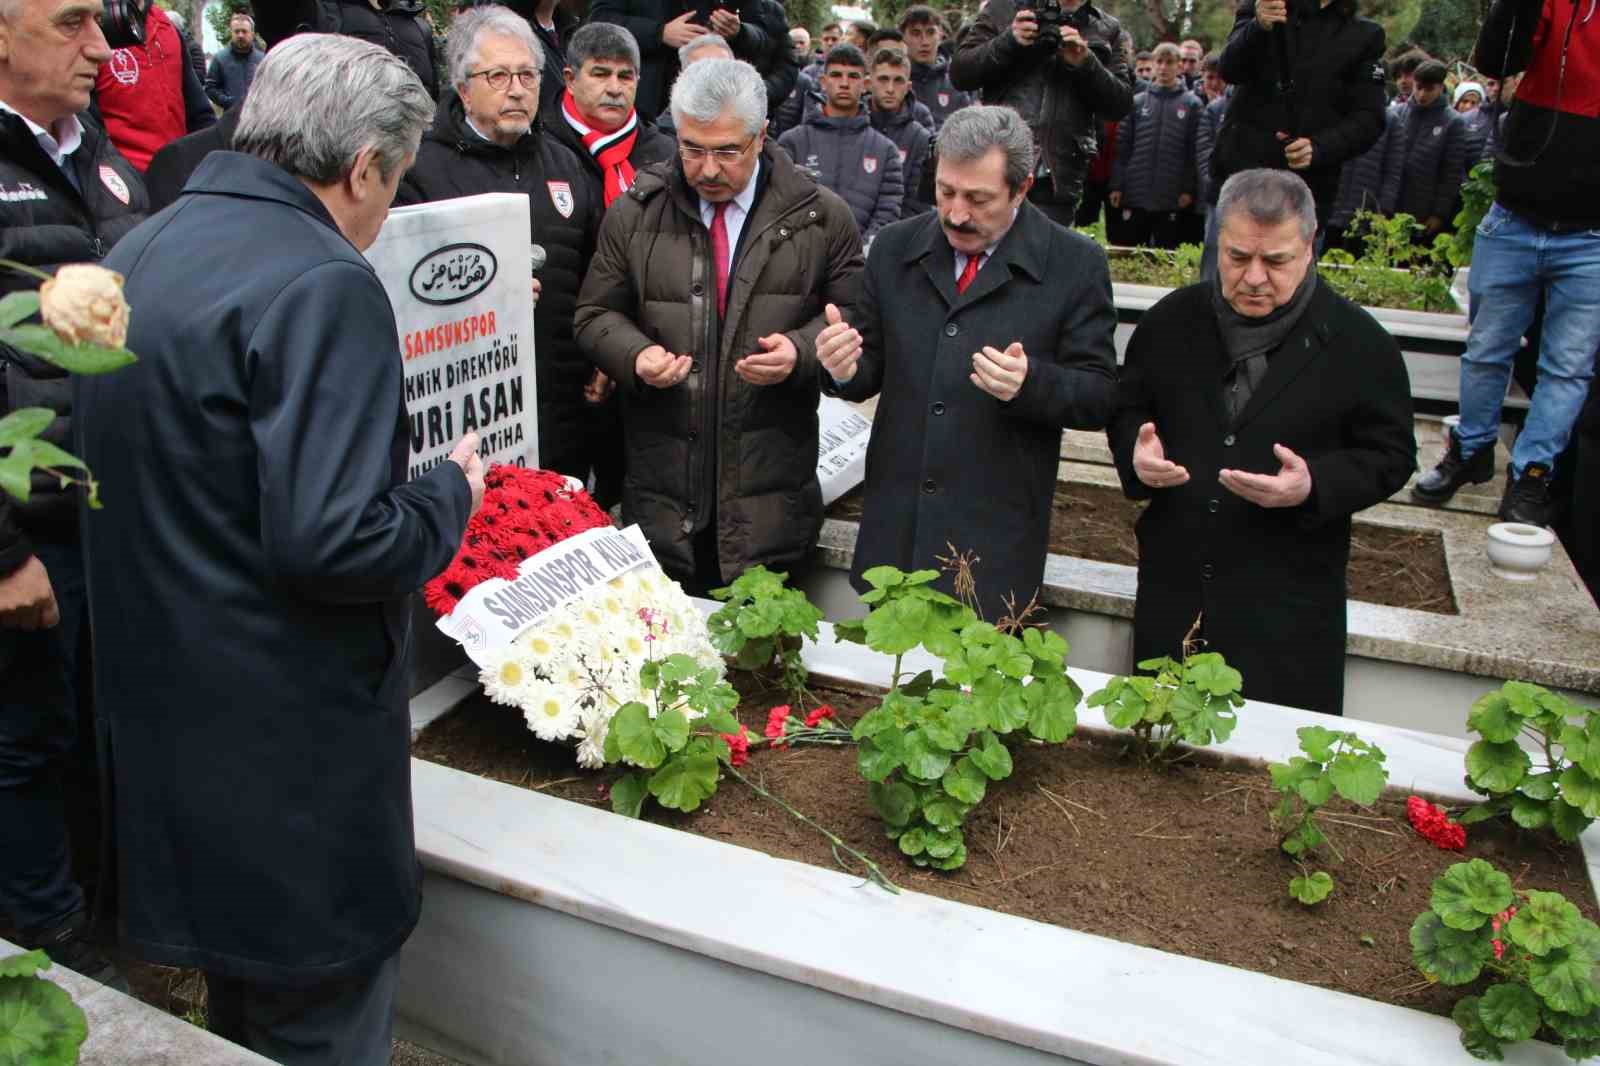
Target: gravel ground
x: 411, y: 1055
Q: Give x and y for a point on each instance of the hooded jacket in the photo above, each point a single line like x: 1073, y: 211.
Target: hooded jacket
x: 857, y: 162
x: 1156, y: 149
x: 1371, y: 181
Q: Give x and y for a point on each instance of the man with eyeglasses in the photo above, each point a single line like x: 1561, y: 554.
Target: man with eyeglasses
x: 484, y: 140
x: 596, y: 116
x: 703, y: 302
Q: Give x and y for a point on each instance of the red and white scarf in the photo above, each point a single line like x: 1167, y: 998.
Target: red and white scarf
x: 610, y: 150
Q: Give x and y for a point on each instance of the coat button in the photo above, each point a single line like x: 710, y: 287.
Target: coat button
x: 697, y: 289
x: 1227, y: 442
x: 938, y: 408
x: 951, y: 330
x: 694, y: 436
x: 930, y: 487
x: 1211, y: 505
x: 694, y: 368
x: 1208, y: 572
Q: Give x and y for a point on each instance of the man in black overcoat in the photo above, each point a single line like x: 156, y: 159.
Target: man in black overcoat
x: 249, y: 572
x: 987, y: 329
x: 1257, y: 414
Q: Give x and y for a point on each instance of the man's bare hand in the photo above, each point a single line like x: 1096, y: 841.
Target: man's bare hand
x: 998, y: 373
x: 1289, y: 487
x: 26, y: 599
x: 680, y: 31
x: 1298, y: 152
x: 838, y: 346
x: 1025, y: 27
x: 1115, y: 197
x: 726, y: 23
x: 537, y: 288
x: 1270, y: 13
x: 465, y: 455
x: 1150, y: 463
x: 1074, y: 49
x: 660, y: 369
x: 1184, y: 200
x: 774, y: 362
x: 598, y: 388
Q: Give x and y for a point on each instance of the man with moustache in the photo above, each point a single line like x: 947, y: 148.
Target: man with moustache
x: 985, y: 329
x: 1257, y: 413
x: 703, y: 303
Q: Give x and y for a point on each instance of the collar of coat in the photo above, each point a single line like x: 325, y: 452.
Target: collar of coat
x: 247, y: 177
x: 450, y: 129
x: 1025, y: 248
x: 787, y: 186
x: 1311, y: 336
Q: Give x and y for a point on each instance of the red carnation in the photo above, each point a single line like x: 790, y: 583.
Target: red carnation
x: 777, y: 724
x: 819, y: 714
x: 738, y: 746
x: 1429, y: 820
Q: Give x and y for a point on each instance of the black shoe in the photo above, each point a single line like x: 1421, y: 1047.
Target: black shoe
x: 68, y: 945
x: 1527, y: 498
x: 1454, y: 470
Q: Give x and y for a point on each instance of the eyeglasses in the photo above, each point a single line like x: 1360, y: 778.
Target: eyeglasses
x: 693, y: 153
x: 499, y: 78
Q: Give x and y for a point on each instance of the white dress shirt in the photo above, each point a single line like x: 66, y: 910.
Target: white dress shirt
x: 58, y: 143
x: 738, y: 210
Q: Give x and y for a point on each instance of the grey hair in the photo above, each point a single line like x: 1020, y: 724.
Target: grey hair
x: 467, y: 31
x: 601, y: 40
x: 705, y: 40
x: 968, y: 135
x: 1270, y: 197
x: 235, y: 17
x: 710, y: 87
x: 318, y: 100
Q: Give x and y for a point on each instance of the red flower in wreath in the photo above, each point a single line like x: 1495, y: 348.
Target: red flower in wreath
x: 1430, y: 821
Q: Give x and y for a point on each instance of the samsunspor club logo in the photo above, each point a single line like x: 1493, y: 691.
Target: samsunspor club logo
x: 452, y: 274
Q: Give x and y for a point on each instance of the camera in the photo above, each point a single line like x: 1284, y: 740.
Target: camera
x: 123, y: 23
x: 1050, y: 17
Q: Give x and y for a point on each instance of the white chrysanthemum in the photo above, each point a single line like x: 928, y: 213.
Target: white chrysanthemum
x: 506, y: 678
x: 550, y: 712
x: 591, y: 753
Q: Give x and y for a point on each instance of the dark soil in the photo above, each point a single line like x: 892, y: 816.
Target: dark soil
x: 1083, y: 835
x: 1388, y: 566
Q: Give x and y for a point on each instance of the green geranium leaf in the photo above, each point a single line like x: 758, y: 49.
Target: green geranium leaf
x: 1052, y: 709
x: 949, y: 729
x: 1210, y: 673
x: 1315, y: 790
x: 636, y: 737
x: 720, y: 721
x: 1000, y: 703
x: 1575, y: 1026
x: 1045, y: 645
x: 880, y: 755
x: 73, y: 358
x: 943, y: 844
x: 1581, y: 791
x: 1303, y: 838
x: 965, y: 781
x: 1524, y: 699
x: 914, y: 841
x: 1530, y: 813
x: 24, y: 423
x: 1311, y: 890
x: 1359, y: 778
x: 943, y: 814
x: 1483, y: 812
x: 25, y: 964
x: 922, y: 758
x: 883, y: 577
x: 1202, y: 719
x: 1497, y: 767
x: 1475, y: 1037
x: 679, y: 668
x: 1468, y: 894
x: 1124, y: 700
x: 873, y: 722
x: 1317, y: 742
x: 1568, y: 822
x: 920, y: 685
x: 628, y: 794
x: 685, y: 782
x: 1287, y: 776
x: 897, y: 626
x: 759, y: 620
x: 1492, y: 717
x: 1545, y: 922
x: 18, y: 307
x: 672, y: 729
x: 851, y: 631
x: 1540, y: 786
x: 991, y: 756
x: 894, y: 801
x: 39, y: 1023
x: 1510, y: 1012
x: 957, y: 859
x: 1451, y: 956
x: 1563, y: 979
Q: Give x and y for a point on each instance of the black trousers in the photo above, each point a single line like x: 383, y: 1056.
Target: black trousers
x: 347, y: 1021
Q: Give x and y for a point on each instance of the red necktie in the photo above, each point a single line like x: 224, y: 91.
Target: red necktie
x: 969, y: 272
x: 719, y: 250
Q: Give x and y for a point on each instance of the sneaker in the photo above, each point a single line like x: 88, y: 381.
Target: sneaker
x: 1527, y: 498
x: 68, y: 945
x: 1454, y: 470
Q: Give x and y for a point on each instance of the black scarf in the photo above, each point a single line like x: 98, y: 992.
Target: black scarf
x: 1250, y: 341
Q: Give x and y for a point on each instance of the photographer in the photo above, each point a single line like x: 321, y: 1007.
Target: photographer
x: 1538, y: 240
x: 1060, y: 65
x: 1309, y: 92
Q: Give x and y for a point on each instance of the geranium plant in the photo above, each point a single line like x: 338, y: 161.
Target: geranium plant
x: 929, y: 750
x: 1561, y: 794
x: 763, y: 624
x: 1334, y: 761
x: 39, y: 1023
x: 1193, y: 700
x: 1537, y: 950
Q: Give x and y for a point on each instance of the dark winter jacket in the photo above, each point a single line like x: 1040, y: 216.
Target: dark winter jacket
x: 172, y: 166
x: 912, y: 137
x: 257, y: 532
x: 791, y: 112
x: 1337, y: 96
x: 649, y: 146
x: 948, y: 464
x: 1435, y: 149
x: 564, y: 211
x: 230, y: 74
x: 196, y: 54
x: 398, y: 28
x: 930, y: 84
x: 45, y: 222
x: 1270, y: 581
x: 857, y: 162
x: 1205, y: 142
x: 1060, y: 103
x: 1551, y: 134
x: 1371, y: 181
x: 1156, y: 150
x: 1476, y: 128
x: 715, y: 445
x: 551, y: 83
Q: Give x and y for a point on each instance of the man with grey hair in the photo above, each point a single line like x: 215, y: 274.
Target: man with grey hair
x: 484, y: 140
x: 985, y: 329
x: 1257, y: 413
x: 258, y: 532
x: 596, y: 116
x: 705, y: 46
x: 703, y: 303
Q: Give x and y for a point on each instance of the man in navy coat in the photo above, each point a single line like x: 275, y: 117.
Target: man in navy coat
x: 249, y: 571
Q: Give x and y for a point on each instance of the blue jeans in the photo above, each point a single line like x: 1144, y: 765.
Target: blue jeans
x: 38, y: 726
x: 1512, y: 263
